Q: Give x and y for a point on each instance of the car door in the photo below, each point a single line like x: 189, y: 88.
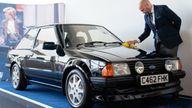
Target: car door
x: 41, y: 65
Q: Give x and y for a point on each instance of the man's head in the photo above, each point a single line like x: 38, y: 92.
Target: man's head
x: 145, y: 6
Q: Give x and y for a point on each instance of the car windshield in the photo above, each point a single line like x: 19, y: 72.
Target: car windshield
x: 89, y: 36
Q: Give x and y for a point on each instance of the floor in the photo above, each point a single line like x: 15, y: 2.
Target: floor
x: 54, y: 98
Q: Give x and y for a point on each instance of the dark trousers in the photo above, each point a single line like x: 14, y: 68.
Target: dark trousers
x: 164, y: 51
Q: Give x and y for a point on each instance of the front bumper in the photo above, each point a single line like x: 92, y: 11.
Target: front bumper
x: 128, y: 88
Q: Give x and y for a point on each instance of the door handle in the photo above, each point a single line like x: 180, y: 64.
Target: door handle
x: 53, y: 59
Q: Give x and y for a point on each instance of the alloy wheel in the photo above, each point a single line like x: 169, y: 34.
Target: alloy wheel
x: 15, y: 76
x: 75, y: 89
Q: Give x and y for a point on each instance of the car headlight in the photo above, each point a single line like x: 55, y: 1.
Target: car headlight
x: 139, y: 67
x: 172, y: 65
x: 116, y: 69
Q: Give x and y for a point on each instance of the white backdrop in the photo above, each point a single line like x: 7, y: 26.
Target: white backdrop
x: 125, y: 20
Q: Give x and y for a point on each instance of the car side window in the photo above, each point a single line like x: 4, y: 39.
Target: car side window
x: 28, y: 40
x: 46, y: 35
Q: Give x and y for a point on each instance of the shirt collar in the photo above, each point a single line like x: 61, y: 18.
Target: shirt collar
x: 152, y: 10
x: 153, y: 14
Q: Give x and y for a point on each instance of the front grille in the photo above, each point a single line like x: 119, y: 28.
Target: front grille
x: 159, y: 65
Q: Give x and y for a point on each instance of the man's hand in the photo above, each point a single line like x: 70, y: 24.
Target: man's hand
x: 132, y: 42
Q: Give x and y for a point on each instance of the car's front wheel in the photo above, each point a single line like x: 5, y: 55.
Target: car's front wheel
x: 77, y: 90
x: 18, y: 79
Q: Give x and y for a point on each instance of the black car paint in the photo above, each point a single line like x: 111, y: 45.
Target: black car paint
x: 53, y: 71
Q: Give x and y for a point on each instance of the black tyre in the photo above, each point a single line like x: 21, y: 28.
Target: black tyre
x: 17, y: 77
x: 78, y: 90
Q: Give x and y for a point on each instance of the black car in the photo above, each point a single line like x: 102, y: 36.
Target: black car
x: 88, y: 62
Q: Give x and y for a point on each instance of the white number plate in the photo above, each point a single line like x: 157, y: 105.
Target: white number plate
x: 154, y: 79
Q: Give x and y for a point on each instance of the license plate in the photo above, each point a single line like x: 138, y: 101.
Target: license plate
x: 154, y: 79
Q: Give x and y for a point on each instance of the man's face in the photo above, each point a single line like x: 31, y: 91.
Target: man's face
x: 145, y: 8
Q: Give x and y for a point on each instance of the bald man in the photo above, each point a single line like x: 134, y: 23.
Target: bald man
x: 165, y: 26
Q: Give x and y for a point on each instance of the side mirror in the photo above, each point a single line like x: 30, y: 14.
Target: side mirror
x: 53, y: 46
x: 60, y: 51
x: 49, y: 46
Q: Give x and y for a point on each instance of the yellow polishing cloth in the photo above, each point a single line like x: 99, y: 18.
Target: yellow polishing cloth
x: 127, y: 45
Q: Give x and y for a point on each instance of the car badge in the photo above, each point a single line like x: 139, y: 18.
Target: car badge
x: 152, y: 67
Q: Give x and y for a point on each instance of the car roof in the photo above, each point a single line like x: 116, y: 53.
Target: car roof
x: 61, y: 24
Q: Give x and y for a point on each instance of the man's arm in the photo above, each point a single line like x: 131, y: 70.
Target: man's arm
x: 145, y: 34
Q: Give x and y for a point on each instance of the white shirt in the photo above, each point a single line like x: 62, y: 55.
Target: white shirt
x: 11, y: 27
x: 153, y: 14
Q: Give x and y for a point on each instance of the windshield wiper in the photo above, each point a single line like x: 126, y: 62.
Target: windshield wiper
x: 113, y: 43
x: 98, y: 43
x: 91, y: 44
